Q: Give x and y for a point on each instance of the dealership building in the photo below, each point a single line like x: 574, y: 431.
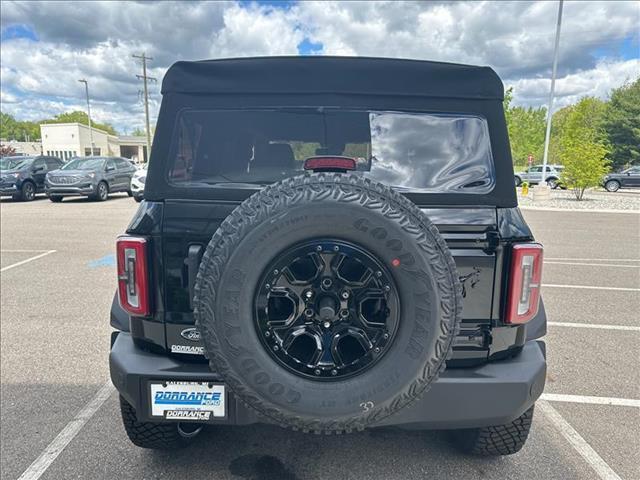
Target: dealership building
x: 67, y: 140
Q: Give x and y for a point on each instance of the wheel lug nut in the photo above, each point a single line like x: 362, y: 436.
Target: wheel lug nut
x: 336, y: 248
x: 319, y: 248
x: 345, y: 294
x: 377, y: 349
x: 308, y: 294
x: 334, y: 372
x: 267, y: 334
x: 327, y: 324
x: 267, y: 287
x: 308, y: 312
x: 378, y: 273
x: 387, y: 288
x: 317, y: 371
x: 344, y: 313
x: 276, y: 271
x: 276, y: 348
x: 385, y: 336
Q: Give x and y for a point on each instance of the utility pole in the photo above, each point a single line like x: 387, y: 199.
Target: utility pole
x: 145, y: 78
x: 86, y: 88
x: 551, y: 93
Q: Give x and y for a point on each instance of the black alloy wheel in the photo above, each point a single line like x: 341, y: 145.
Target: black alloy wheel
x: 28, y: 191
x: 326, y: 309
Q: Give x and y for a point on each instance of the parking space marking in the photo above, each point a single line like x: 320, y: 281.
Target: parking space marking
x: 594, y: 259
x: 21, y: 250
x: 591, y: 287
x: 55, y: 448
x: 594, y: 325
x: 579, y: 444
x: 30, y: 259
x: 546, y: 262
x: 618, y: 402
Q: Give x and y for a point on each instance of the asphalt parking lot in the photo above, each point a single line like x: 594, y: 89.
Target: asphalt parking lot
x: 57, y: 283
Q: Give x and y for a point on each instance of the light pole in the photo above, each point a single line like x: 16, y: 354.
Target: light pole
x: 86, y: 89
x: 553, y: 86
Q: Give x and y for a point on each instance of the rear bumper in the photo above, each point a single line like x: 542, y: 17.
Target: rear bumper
x: 493, y: 394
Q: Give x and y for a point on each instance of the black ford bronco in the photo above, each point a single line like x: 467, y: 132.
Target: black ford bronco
x: 329, y: 244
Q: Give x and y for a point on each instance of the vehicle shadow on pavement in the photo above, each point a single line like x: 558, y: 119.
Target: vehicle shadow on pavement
x: 262, y: 452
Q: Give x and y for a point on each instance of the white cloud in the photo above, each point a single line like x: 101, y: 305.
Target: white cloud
x: 569, y: 89
x: 39, y: 78
x: 256, y: 31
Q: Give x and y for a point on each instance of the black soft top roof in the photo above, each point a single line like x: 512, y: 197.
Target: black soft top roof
x: 333, y: 75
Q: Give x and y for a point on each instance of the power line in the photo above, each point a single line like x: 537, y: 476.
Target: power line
x: 145, y: 79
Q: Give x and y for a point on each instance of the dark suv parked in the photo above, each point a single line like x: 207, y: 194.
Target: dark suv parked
x: 23, y: 177
x: 629, y: 178
x: 94, y: 177
x: 329, y: 244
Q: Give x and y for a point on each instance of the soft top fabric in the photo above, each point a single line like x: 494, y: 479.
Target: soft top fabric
x: 333, y: 75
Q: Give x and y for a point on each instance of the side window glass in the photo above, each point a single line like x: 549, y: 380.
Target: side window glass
x: 111, y: 165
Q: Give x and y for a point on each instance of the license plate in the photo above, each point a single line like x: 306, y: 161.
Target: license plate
x: 184, y: 401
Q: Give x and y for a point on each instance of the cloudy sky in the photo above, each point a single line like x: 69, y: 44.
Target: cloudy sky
x: 47, y: 47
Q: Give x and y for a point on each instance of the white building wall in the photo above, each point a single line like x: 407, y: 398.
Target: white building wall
x: 66, y: 140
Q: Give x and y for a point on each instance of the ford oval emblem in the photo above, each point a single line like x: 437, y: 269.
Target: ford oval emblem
x: 191, y: 334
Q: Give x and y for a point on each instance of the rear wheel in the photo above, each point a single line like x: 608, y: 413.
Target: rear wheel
x: 553, y: 183
x: 498, y: 440
x: 612, y: 186
x: 157, y: 436
x: 518, y: 181
x: 27, y: 192
x: 55, y: 198
x: 130, y: 193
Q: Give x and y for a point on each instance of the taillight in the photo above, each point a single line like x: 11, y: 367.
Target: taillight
x: 133, y: 275
x: 524, y: 283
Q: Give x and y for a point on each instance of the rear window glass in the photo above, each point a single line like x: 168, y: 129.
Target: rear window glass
x: 419, y: 152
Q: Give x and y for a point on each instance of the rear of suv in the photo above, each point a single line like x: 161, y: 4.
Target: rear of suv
x: 328, y: 245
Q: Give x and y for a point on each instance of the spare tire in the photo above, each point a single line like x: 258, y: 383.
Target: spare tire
x: 327, y: 302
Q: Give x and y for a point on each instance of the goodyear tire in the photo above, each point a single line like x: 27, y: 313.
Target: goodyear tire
x: 358, y: 212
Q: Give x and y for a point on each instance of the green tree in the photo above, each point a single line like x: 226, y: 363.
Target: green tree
x: 12, y: 129
x: 622, y: 125
x: 526, y: 128
x: 583, y: 147
x: 78, y: 116
x: 138, y: 132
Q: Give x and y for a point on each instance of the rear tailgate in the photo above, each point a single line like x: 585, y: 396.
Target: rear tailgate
x: 471, y: 234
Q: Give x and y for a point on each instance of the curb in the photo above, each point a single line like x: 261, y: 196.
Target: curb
x: 585, y: 210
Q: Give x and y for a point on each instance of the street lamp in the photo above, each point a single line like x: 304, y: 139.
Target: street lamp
x: 86, y: 88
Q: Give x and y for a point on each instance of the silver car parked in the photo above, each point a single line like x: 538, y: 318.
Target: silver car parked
x: 94, y: 177
x: 533, y: 175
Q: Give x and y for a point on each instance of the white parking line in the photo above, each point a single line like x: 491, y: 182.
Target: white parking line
x: 595, y: 259
x: 618, y: 402
x: 55, y: 448
x: 594, y: 325
x: 594, y: 460
x: 546, y: 262
x: 30, y: 259
x: 591, y: 287
x: 21, y: 250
